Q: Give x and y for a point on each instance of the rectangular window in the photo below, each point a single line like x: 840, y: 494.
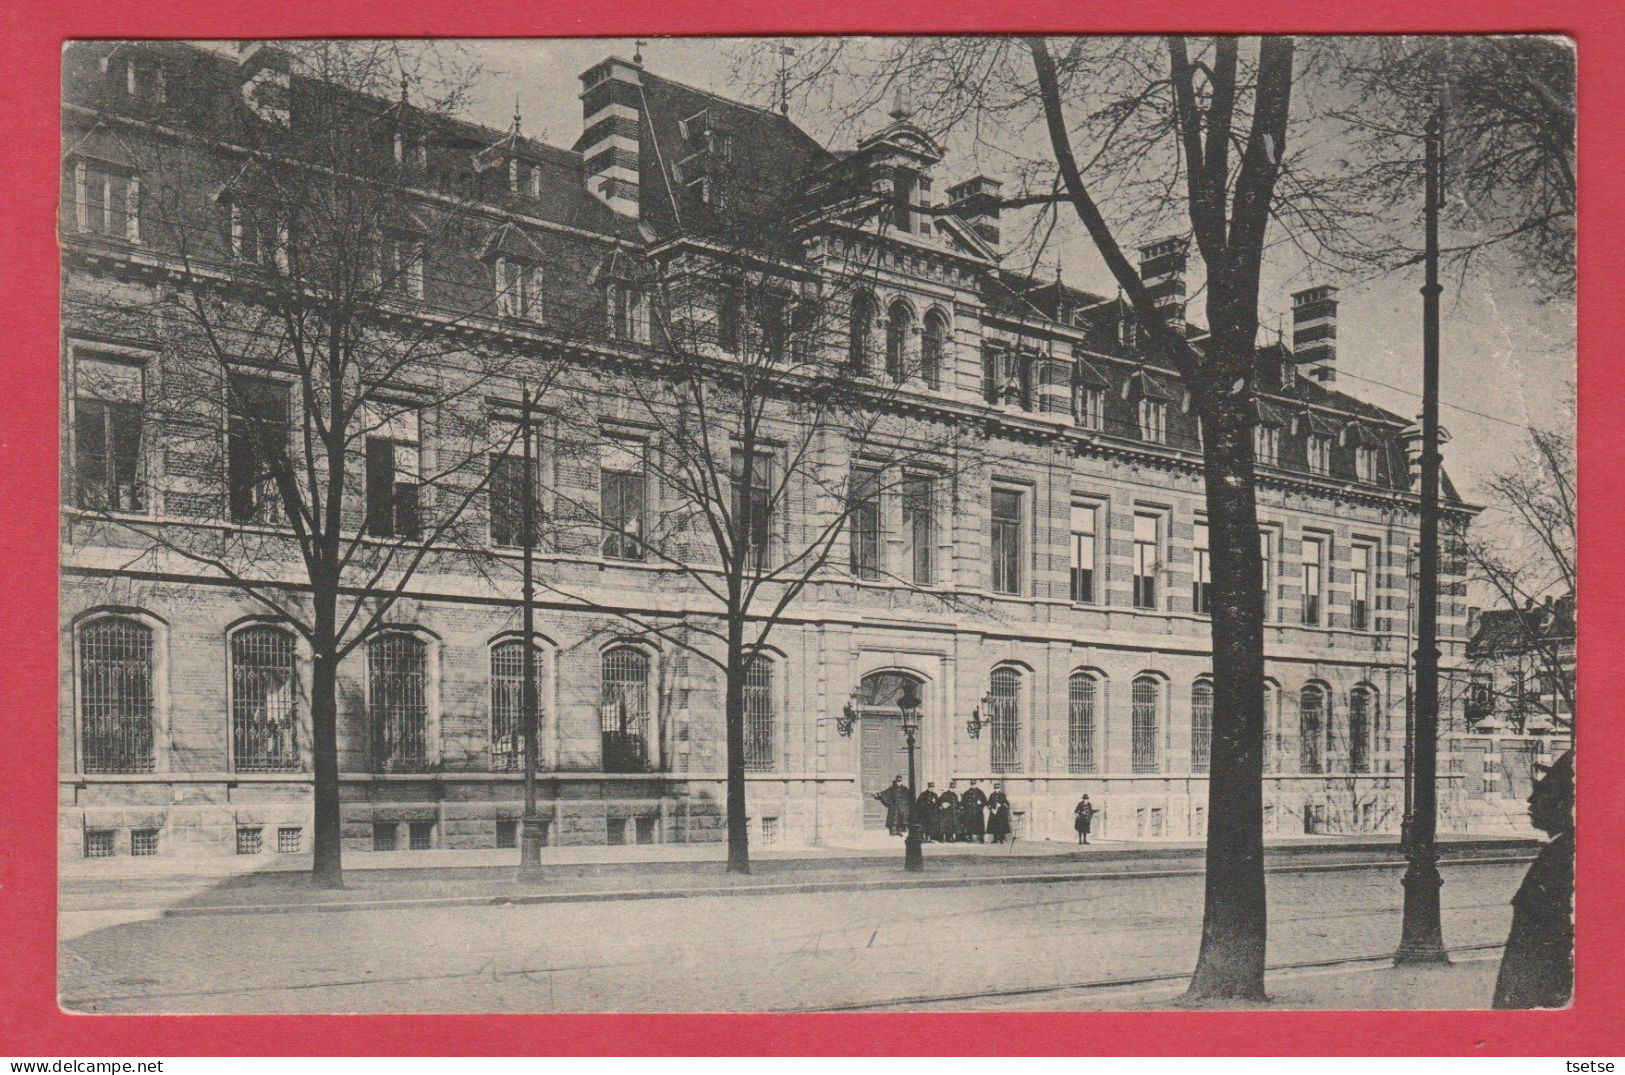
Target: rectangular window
x: 249, y: 841
x: 107, y: 435
x: 628, y: 313
x: 289, y: 840
x: 507, y: 495
x: 144, y: 841
x: 919, y: 531
x: 1153, y: 420
x: 1267, y: 445
x: 615, y: 834
x: 256, y: 234
x: 420, y: 835
x: 645, y: 829
x: 507, y: 834
x: 392, y: 472
x: 1090, y: 407
x: 622, y: 485
x: 99, y: 843
x: 383, y: 835
x: 401, y: 265
x: 902, y: 214
x: 1360, y: 558
x: 1313, y: 565
x: 1083, y: 554
x: 257, y: 438
x: 730, y: 318
x: 108, y: 201
x: 863, y: 525
x: 1266, y: 556
x: 1201, y: 573
x: 1006, y: 541
x: 1365, y: 464
x: 1147, y: 559
x: 519, y: 291
x: 753, y: 514
x: 1320, y: 453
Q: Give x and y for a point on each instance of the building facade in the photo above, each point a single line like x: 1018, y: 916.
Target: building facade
x: 1045, y: 591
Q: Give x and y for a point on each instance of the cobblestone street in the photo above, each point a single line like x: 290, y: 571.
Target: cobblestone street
x: 995, y: 946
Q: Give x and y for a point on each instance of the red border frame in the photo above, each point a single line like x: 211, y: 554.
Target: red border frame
x: 31, y: 35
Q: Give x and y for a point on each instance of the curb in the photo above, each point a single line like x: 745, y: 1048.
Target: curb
x: 783, y: 888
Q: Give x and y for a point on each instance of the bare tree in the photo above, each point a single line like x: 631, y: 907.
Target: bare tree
x: 758, y: 450
x: 329, y: 339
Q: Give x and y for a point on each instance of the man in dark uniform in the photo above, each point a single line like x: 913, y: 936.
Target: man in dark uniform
x: 948, y: 813
x: 998, y: 814
x: 1537, y: 965
x: 897, y: 802
x: 971, y: 805
x: 925, y: 810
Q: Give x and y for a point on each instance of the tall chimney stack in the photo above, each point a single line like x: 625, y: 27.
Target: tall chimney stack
x: 1314, y: 333
x: 612, y: 127
x: 1162, y: 270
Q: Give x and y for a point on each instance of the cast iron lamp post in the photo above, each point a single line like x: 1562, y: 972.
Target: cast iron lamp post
x: 913, y: 854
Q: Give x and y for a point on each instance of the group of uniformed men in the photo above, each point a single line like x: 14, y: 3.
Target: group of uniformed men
x: 948, y: 816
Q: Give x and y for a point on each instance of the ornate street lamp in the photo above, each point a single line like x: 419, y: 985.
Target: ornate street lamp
x: 913, y: 853
x: 973, y: 726
x: 848, y: 718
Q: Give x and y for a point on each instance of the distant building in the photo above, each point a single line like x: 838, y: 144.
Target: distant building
x: 1075, y: 544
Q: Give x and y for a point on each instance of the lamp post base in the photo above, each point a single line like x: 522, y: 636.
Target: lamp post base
x: 530, y: 848
x: 1421, y: 938
x: 913, y: 851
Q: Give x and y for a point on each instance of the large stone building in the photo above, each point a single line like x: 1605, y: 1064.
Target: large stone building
x: 1046, y: 590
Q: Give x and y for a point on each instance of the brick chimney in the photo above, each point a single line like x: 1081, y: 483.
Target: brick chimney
x: 1314, y: 333
x: 265, y: 72
x: 1162, y: 270
x: 976, y: 202
x: 611, y: 130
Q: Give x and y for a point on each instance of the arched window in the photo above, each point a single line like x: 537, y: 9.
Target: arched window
x: 1311, y: 728
x: 931, y: 348
x: 115, y: 696
x: 761, y: 724
x: 398, y: 701
x: 264, y: 701
x: 625, y: 710
x: 1004, y: 719
x: 508, y: 702
x: 1275, y: 733
x: 1362, y: 703
x: 862, y: 329
x: 1081, y: 692
x: 1147, y: 700
x: 1201, y: 724
x: 899, y: 321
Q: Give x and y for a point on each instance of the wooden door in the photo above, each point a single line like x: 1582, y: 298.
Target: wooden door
x: 885, y: 755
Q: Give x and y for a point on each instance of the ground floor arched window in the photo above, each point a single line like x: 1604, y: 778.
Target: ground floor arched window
x: 1201, y: 724
x: 116, y: 696
x: 624, y: 710
x: 761, y: 723
x: 1004, y: 719
x: 1082, y: 693
x: 264, y: 701
x: 398, y: 701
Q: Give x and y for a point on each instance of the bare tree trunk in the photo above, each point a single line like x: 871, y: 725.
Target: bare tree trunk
x: 1231, y: 961
x: 734, y: 717
x: 327, y: 869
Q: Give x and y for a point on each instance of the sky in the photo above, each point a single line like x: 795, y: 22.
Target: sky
x: 1507, y: 358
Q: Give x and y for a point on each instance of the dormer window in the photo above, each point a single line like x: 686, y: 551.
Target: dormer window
x: 1267, y: 445
x: 255, y: 234
x: 1153, y: 420
x: 1320, y: 453
x: 410, y: 149
x: 902, y: 192
x: 401, y: 264
x: 1365, y: 463
x: 140, y: 77
x: 519, y: 289
x: 107, y: 200
x: 1289, y: 374
x: 628, y: 306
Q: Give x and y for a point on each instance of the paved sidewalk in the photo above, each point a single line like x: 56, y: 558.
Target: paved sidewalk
x: 448, y: 879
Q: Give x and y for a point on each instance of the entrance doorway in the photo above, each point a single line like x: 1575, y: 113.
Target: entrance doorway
x: 884, y: 749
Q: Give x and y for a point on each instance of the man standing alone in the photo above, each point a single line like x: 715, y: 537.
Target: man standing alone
x: 1537, y: 965
x: 971, y: 805
x: 897, y: 804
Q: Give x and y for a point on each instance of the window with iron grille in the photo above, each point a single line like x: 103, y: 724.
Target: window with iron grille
x: 1313, y: 559
x: 625, y: 710
x: 1083, y: 554
x: 420, y: 835
x: 507, y: 834
x: 1004, y: 721
x: 770, y: 831
x: 644, y: 829
x: 1360, y: 588
x: 1006, y: 541
x: 1311, y: 728
x: 919, y: 530
x: 144, y: 841
x: 383, y: 835
x: 107, y: 435
x: 264, y: 701
x: 1201, y: 573
x: 761, y: 724
x: 99, y: 843
x: 397, y: 699
x: 1147, y: 559
x: 393, y: 483
x: 863, y: 525
x: 1145, y: 724
x: 931, y: 348
x: 257, y: 431
x: 508, y: 703
x: 1277, y: 737
x: 621, y: 484
x: 1201, y: 724
x: 1082, y: 690
x: 249, y: 841
x: 753, y: 513
x: 289, y: 840
x: 615, y: 831
x: 1360, y: 708
x: 115, y: 696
